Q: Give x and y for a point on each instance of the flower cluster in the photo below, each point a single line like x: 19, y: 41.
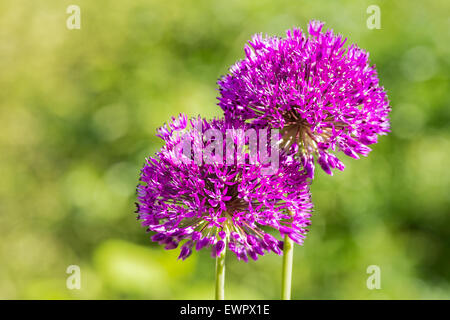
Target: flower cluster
x: 214, y: 204
x: 321, y: 95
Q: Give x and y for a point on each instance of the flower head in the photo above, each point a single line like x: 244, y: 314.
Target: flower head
x: 321, y: 95
x: 216, y: 204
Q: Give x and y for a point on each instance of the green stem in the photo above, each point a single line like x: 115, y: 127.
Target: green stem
x: 288, y: 253
x: 220, y: 275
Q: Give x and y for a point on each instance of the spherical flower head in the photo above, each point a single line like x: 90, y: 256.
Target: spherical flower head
x: 200, y: 202
x: 323, y: 97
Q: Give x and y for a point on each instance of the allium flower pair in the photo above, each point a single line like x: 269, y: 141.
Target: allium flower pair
x: 214, y: 203
x: 321, y: 96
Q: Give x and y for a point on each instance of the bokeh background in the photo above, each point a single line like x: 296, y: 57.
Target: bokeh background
x: 78, y: 113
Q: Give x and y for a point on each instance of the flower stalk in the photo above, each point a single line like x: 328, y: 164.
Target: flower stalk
x: 288, y: 253
x: 220, y: 275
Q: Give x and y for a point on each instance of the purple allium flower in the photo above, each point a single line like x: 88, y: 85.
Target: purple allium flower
x: 214, y: 204
x: 321, y: 95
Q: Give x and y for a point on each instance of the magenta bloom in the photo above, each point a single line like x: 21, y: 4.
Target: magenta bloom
x: 324, y: 97
x: 204, y: 203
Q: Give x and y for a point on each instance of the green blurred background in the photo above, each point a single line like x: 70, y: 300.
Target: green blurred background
x: 78, y: 113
